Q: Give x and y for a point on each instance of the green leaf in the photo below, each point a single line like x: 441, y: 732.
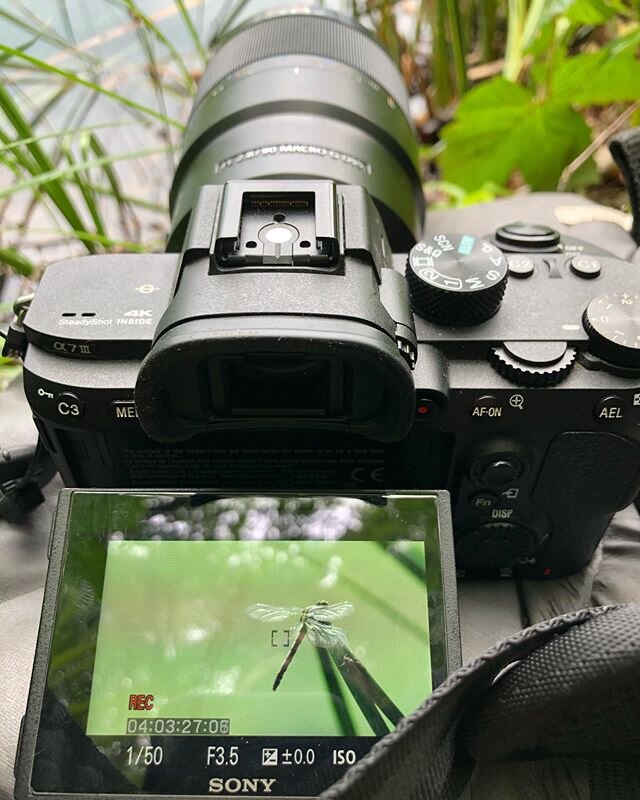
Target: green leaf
x: 609, y: 76
x: 18, y: 262
x: 551, y: 137
x: 500, y: 128
x: 590, y: 12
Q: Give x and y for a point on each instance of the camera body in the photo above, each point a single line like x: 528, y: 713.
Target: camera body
x: 279, y: 351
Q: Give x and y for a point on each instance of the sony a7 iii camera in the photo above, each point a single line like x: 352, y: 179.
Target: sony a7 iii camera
x: 301, y: 334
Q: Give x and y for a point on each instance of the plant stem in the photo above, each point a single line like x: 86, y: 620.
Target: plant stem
x: 487, y: 17
x: 335, y: 693
x: 457, y: 45
x: 440, y: 62
x: 517, y: 11
x: 353, y: 678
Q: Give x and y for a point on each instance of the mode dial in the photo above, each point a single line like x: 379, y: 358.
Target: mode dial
x: 456, y: 280
x: 533, y: 363
x: 612, y: 322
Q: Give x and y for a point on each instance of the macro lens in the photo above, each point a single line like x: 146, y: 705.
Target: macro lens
x: 303, y: 94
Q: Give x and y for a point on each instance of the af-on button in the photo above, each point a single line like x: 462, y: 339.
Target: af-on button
x: 486, y: 407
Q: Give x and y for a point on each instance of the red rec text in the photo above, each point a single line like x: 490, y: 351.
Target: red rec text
x: 141, y: 702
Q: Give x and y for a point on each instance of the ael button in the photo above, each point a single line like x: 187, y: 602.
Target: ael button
x: 609, y: 409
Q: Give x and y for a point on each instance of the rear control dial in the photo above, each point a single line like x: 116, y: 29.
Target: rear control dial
x: 456, y: 280
x: 612, y: 322
x: 495, y: 545
x: 533, y: 363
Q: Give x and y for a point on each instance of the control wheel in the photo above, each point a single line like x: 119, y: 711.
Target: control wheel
x: 456, y: 280
x: 494, y: 545
x: 612, y: 322
x: 533, y: 363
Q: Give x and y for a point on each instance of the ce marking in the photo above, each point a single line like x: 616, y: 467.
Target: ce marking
x: 360, y: 475
x: 517, y: 401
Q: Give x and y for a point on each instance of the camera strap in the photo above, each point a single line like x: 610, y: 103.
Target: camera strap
x: 625, y: 149
x: 432, y: 753
x: 23, y: 474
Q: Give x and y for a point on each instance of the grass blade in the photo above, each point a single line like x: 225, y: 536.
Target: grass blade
x: 144, y: 23
x: 14, y: 259
x: 55, y: 174
x: 336, y: 694
x: 40, y: 165
x: 191, y: 28
x: 71, y: 76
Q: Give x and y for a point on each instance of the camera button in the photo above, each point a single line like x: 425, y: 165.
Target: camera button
x: 69, y: 405
x: 585, y: 266
x: 426, y: 407
x: 609, y: 409
x: 486, y: 407
x: 520, y: 266
x: 501, y: 472
x: 522, y: 236
x: 483, y: 501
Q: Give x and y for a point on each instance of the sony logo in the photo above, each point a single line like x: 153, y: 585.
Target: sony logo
x: 240, y: 785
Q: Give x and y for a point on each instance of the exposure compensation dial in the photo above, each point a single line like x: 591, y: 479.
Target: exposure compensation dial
x: 612, y: 322
x: 456, y: 279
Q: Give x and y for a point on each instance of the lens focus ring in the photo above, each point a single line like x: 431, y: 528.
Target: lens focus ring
x: 304, y: 34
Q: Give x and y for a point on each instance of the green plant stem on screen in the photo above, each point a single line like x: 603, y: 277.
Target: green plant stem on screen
x: 353, y: 679
x: 336, y: 694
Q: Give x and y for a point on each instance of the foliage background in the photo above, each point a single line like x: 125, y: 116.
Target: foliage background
x: 507, y: 95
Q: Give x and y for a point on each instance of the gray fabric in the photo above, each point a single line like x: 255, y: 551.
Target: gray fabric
x: 568, y: 686
x: 18, y: 630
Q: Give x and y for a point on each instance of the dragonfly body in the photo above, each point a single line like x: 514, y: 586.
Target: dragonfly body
x: 315, y: 622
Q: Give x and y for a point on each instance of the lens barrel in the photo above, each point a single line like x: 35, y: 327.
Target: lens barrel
x: 301, y: 94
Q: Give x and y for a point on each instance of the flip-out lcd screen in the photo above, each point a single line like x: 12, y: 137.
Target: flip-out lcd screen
x: 236, y: 645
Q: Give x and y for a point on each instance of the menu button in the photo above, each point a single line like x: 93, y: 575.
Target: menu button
x: 124, y: 409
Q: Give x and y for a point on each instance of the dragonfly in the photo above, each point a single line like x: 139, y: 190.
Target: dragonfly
x: 315, y: 622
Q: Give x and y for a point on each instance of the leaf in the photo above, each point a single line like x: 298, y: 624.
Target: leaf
x: 501, y: 127
x: 590, y: 12
x: 611, y: 75
x: 551, y: 136
x: 18, y: 262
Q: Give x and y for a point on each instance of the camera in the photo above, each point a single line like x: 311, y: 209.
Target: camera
x: 299, y: 333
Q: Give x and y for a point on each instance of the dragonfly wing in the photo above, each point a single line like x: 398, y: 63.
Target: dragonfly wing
x: 266, y: 613
x: 326, y: 635
x: 330, y: 613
